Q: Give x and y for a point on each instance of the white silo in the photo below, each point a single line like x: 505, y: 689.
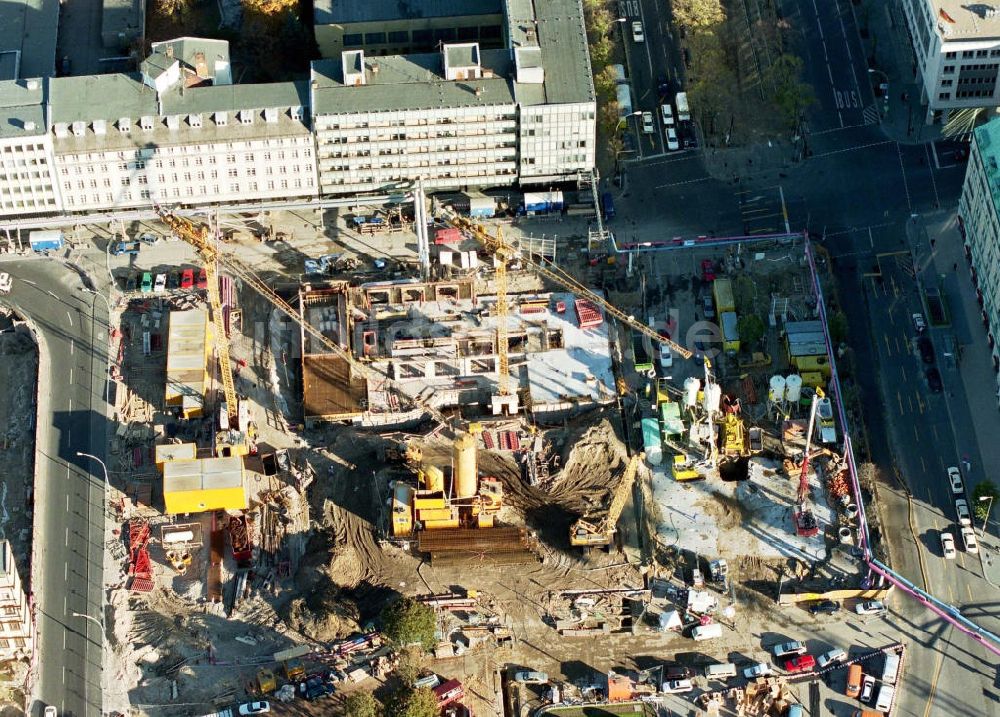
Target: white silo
x: 691, y: 386
x: 793, y: 388
x: 776, y: 389
x: 713, y: 396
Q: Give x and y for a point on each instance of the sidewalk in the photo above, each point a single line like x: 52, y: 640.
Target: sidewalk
x: 968, y: 376
x: 888, y: 52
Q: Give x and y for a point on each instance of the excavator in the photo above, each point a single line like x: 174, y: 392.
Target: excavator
x: 587, y: 534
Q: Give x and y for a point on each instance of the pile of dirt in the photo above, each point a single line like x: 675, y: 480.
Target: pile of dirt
x: 323, y: 616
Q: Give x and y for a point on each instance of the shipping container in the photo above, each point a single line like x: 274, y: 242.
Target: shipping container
x: 481, y: 207
x: 723, y: 291
x: 730, y: 332
x: 47, y: 240
x: 543, y: 201
x: 641, y: 353
x: 651, y: 441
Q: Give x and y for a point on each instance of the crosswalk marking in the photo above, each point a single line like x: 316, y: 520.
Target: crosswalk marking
x: 871, y: 115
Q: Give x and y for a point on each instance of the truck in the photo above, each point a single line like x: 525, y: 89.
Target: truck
x: 683, y: 113
x: 125, y: 247
x: 541, y: 202
x: 624, y: 94
x: 730, y: 332
x: 723, y: 291
x: 46, y: 240
x: 641, y: 354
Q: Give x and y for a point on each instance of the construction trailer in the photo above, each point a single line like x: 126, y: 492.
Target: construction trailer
x: 189, y: 343
x: 203, y: 485
x: 164, y: 453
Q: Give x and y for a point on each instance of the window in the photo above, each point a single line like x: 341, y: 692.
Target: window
x: 994, y: 53
x: 468, y: 33
x: 968, y: 54
x: 421, y: 37
x: 375, y: 38
x: 399, y: 36
x: 444, y: 34
x: 946, y: 83
x: 490, y: 32
x: 981, y: 53
x: 948, y: 70
x: 944, y: 96
x: 949, y: 55
x: 352, y: 39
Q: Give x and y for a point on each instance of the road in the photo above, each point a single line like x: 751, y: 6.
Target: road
x: 69, y: 489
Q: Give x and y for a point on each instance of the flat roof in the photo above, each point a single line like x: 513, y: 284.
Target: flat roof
x: 186, y: 353
x: 409, y: 82
x: 988, y: 141
x: 343, y: 12
x: 203, y: 474
x: 958, y: 20
x: 22, y: 109
x: 29, y: 28
x: 562, y: 38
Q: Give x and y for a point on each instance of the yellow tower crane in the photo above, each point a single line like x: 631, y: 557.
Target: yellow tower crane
x: 586, y: 534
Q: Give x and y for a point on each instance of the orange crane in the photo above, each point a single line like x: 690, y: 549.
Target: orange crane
x: 805, y: 520
x: 585, y: 534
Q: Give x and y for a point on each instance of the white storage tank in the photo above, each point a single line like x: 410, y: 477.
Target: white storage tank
x: 691, y: 386
x: 713, y: 396
x: 793, y: 388
x: 776, y: 389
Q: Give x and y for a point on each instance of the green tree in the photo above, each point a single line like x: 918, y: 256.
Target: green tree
x: 361, y: 704
x: 600, y: 51
x: 751, y: 328
x: 698, y: 14
x: 983, y: 489
x: 420, y: 702
x: 605, y: 83
x: 406, y: 622
x: 838, y: 327
x: 743, y: 293
x: 791, y: 95
x: 607, y: 117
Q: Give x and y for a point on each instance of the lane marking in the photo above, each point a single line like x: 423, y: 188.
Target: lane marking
x: 934, y: 681
x: 930, y: 170
x: 67, y: 539
x: 70, y: 317
x: 906, y: 186
x: 72, y: 347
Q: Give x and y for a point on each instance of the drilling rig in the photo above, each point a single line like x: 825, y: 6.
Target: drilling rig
x: 805, y: 519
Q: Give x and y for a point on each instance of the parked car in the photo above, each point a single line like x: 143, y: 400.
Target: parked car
x: 147, y: 282
x: 934, y: 380
x: 677, y: 672
x: 202, y: 281
x: 187, y: 279
x: 948, y: 545
x: 828, y: 658
x: 827, y: 607
x: 663, y: 86
x: 254, y: 708
x: 757, y: 669
x: 647, y: 123
x: 955, y: 480
x: 707, y: 270
x: 131, y: 281
x: 667, y: 114
x: 788, y: 649
x: 161, y: 283
x: 871, y: 607
x: 969, y: 540
x: 926, y: 349
x: 962, y: 508
x: 150, y: 239
x: 708, y: 306
x: 677, y: 686
x: 637, y: 34
x: 5, y: 283
x: 672, y: 144
x: 867, y: 688
x: 530, y: 677
x: 173, y: 280
x: 919, y: 323
x: 802, y: 663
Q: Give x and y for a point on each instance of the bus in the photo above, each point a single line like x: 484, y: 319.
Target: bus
x: 641, y: 353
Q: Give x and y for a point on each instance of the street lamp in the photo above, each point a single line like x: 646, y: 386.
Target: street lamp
x: 631, y: 114
x: 104, y: 468
x: 982, y: 531
x: 100, y: 625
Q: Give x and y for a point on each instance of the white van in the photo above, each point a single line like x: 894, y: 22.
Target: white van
x: 886, y: 695
x: 707, y: 632
x: 720, y: 671
x: 891, y: 670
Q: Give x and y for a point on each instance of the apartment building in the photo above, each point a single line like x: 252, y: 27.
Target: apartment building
x: 956, y: 49
x: 464, y: 116
x: 179, y: 132
x: 17, y: 631
x: 979, y: 218
x: 27, y: 175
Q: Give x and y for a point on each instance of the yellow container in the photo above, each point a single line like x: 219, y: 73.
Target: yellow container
x: 441, y: 524
x: 402, y: 512
x: 466, y: 472
x: 427, y: 500
x: 438, y: 514
x: 205, y: 484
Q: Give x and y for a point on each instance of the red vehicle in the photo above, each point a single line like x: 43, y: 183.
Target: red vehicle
x: 802, y: 663
x: 707, y: 270
x: 187, y: 279
x: 448, y: 692
x: 202, y: 279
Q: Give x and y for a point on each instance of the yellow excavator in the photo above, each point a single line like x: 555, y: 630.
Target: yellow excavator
x: 586, y: 534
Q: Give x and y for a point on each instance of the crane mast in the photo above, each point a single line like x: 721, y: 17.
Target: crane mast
x: 805, y: 521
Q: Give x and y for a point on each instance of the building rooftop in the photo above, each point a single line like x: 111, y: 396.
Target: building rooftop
x: 988, y: 141
x: 562, y: 38
x: 22, y: 112
x: 959, y: 20
x: 28, y: 33
x: 408, y: 82
x: 344, y: 12
x: 208, y: 58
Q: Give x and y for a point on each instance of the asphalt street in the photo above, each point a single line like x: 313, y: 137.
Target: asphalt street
x: 69, y: 489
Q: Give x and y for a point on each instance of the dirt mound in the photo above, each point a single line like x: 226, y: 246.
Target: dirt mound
x: 322, y: 616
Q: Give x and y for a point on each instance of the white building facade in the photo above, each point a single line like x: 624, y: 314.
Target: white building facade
x: 27, y: 176
x: 979, y: 215
x: 17, y: 631
x: 957, y: 50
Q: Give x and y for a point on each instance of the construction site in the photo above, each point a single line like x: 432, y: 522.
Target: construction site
x: 502, y: 440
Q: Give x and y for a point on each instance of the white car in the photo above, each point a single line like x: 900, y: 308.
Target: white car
x: 789, y: 649
x: 161, y: 283
x: 254, y: 708
x: 5, y: 283
x: 828, y: 658
x: 647, y: 123
x: 870, y: 607
x: 757, y: 669
x: 962, y: 508
x: 969, y: 540
x: 666, y: 357
x: 51, y: 711
x: 637, y: 33
x: 675, y: 686
x: 667, y: 115
x: 919, y: 324
x: 955, y: 479
x: 530, y: 677
x: 947, y: 545
x: 672, y: 144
